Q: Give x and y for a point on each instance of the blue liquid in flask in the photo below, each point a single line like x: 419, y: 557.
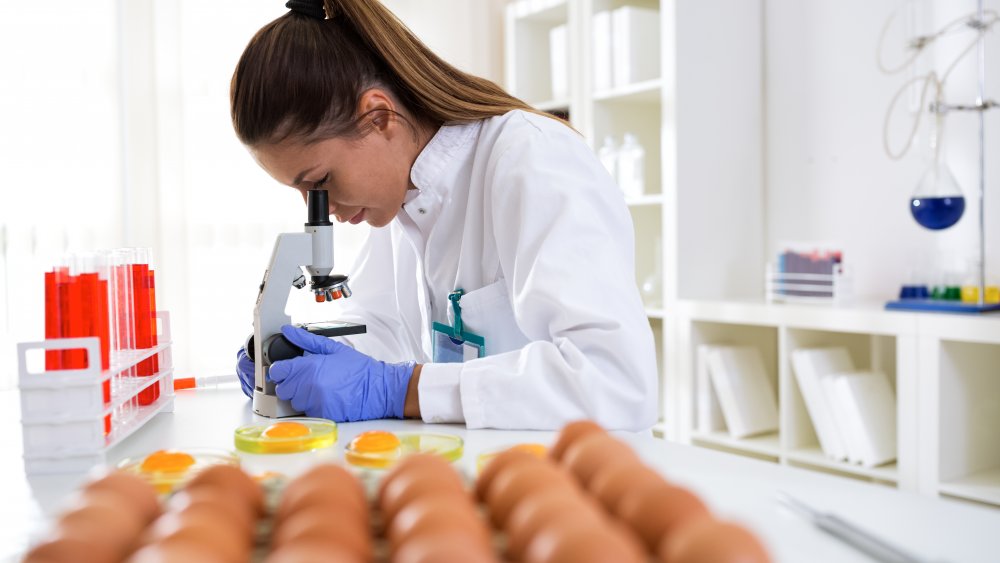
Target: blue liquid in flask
x: 937, y: 213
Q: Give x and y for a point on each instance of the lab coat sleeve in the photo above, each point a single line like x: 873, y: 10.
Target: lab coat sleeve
x: 565, y: 242
x: 373, y: 302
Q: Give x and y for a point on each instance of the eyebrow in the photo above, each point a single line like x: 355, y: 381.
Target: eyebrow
x: 298, y: 179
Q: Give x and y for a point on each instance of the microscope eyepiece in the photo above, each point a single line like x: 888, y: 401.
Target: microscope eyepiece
x: 318, y: 204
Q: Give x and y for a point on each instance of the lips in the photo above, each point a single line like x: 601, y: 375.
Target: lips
x: 358, y: 218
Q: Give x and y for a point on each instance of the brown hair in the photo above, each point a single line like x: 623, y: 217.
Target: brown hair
x: 302, y: 76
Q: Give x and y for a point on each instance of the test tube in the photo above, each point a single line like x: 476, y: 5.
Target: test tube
x: 53, y: 314
x: 124, y: 339
x: 89, y: 315
x: 142, y: 316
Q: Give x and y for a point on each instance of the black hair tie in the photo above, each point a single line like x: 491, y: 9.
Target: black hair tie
x: 311, y: 8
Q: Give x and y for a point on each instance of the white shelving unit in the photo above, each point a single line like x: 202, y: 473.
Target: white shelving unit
x: 659, y: 111
x: 945, y: 370
x: 702, y: 125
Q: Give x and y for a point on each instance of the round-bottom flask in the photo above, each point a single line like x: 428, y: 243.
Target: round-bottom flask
x: 938, y: 202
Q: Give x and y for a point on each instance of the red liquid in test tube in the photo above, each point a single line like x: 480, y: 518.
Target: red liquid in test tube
x: 53, y: 358
x: 142, y: 319
x: 154, y: 336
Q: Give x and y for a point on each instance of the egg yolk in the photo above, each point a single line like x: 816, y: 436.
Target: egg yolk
x: 166, y: 462
x: 375, y: 441
x: 534, y: 449
x: 285, y: 430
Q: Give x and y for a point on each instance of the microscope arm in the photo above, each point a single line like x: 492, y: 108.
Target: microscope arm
x: 291, y: 251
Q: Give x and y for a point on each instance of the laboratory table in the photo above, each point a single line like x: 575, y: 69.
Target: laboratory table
x: 734, y: 487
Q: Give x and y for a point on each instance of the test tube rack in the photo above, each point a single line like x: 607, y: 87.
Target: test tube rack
x: 789, y: 287
x: 63, y: 411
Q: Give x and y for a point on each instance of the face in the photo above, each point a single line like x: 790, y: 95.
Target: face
x: 366, y: 178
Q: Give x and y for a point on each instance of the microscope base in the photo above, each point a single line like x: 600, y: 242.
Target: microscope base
x: 272, y: 407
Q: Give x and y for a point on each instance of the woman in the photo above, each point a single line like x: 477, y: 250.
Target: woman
x: 481, y: 209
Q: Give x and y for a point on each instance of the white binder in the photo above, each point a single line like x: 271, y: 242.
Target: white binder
x: 744, y: 390
x: 809, y: 365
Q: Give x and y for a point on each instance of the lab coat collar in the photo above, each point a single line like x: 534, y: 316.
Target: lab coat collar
x: 445, y: 147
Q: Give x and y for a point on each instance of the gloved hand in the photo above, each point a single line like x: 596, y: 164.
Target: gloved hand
x: 337, y: 382
x: 244, y: 369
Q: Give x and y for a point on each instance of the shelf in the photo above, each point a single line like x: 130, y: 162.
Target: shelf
x: 983, y: 486
x: 765, y: 444
x: 861, y: 318
x: 814, y: 456
x: 641, y: 92
x: 551, y: 11
x: 651, y: 199
x: 660, y: 430
x: 552, y: 105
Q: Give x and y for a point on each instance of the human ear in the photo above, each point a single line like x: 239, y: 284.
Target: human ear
x: 378, y: 110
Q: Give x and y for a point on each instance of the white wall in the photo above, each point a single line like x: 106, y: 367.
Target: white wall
x: 466, y: 33
x: 827, y: 177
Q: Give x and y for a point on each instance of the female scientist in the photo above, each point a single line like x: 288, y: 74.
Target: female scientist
x: 499, y: 270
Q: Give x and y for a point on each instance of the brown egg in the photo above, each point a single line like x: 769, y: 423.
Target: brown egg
x: 233, y: 480
x: 102, y: 523
x: 410, y: 463
x: 176, y: 550
x: 588, y: 455
x: 503, y: 460
x: 571, y: 433
x: 655, y: 512
x: 553, y: 532
x: 611, y: 483
x: 443, y: 548
x: 216, y: 500
x: 318, y: 524
x: 535, y: 511
x: 711, y: 541
x: 597, y: 545
x: 71, y: 550
x: 313, y: 551
x: 331, y: 476
x: 341, y: 499
x: 203, y: 528
x: 135, y: 491
x: 414, y: 484
x: 516, y: 483
x: 429, y: 514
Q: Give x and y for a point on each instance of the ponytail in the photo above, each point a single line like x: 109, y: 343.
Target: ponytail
x: 302, y: 75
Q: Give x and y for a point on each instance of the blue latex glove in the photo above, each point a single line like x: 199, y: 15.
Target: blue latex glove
x: 244, y: 369
x: 337, y: 382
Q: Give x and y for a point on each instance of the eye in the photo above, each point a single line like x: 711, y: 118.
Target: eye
x: 321, y: 182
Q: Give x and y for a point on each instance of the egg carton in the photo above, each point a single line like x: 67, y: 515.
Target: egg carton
x: 63, y: 412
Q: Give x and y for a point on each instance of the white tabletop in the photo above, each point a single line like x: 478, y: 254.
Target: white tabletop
x: 734, y: 487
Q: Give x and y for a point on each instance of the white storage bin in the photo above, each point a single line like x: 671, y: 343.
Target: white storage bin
x: 635, y: 36
x: 63, y: 411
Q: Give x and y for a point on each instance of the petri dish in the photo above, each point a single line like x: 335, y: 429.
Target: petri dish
x: 540, y: 450
x: 378, y: 449
x: 168, y: 470
x: 286, y: 436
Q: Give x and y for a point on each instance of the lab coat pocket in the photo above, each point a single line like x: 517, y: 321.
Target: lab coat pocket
x: 488, y: 312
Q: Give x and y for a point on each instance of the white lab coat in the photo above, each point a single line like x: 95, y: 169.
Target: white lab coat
x: 517, y: 211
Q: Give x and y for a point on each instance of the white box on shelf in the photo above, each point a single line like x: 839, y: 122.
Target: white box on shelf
x: 635, y: 36
x: 63, y: 412
x: 559, y: 61
x: 601, y: 51
x: 869, y: 407
x: 709, y: 411
x: 809, y: 365
x: 842, y: 417
x: 744, y: 390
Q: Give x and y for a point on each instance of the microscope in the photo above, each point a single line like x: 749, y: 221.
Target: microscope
x: 298, y: 259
